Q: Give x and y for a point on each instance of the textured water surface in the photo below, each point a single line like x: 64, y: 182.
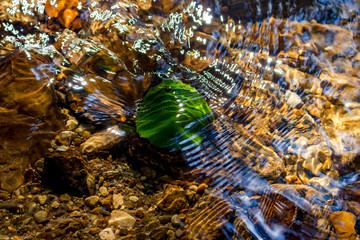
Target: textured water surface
x: 281, y: 146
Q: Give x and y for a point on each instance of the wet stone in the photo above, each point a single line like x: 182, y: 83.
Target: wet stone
x: 103, y: 191
x: 174, y: 199
x: 134, y: 198
x: 158, y: 233
x: 67, y: 135
x: 42, y: 199
x: 71, y: 124
x: 106, y: 202
x: 140, y: 213
x: 41, y: 216
x: 65, y: 197
x: 121, y: 219
x: 178, y: 233
x: 92, y: 201
x: 55, y: 204
x: 118, y: 201
x: 175, y: 220
x: 165, y: 219
x: 107, y: 234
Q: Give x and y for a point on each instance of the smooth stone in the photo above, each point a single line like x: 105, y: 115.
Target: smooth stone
x: 66, y: 135
x: 193, y: 188
x: 31, y: 207
x: 107, y: 234
x: 71, y: 124
x: 103, y: 191
x: 344, y: 224
x: 65, y: 197
x: 75, y: 214
x: 55, y: 204
x: 178, y: 233
x: 92, y: 201
x: 170, y: 234
x: 175, y: 220
x: 134, y: 198
x: 140, y: 213
x: 62, y: 148
x: 121, y: 219
x: 42, y: 199
x: 118, y: 200
x: 40, y: 216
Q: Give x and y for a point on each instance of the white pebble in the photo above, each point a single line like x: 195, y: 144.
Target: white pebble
x: 118, y: 200
x: 134, y: 198
x: 121, y: 219
x: 103, y: 191
x: 107, y: 234
x: 71, y: 124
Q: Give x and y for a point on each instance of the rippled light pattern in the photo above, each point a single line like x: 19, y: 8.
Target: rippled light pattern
x: 281, y: 79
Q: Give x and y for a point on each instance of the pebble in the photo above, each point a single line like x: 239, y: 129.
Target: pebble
x: 75, y: 213
x: 107, y: 234
x: 193, y: 188
x: 118, y: 200
x: 134, y: 198
x: 170, y: 234
x: 4, y: 196
x: 94, y: 231
x: 182, y: 217
x: 65, y: 197
x: 40, y: 216
x: 71, y: 124
x: 92, y: 201
x: 106, y: 202
x: 62, y: 148
x: 178, y: 233
x: 65, y: 135
x: 158, y: 233
x: 140, y: 213
x: 165, y: 219
x: 344, y: 224
x: 31, y: 207
x: 42, y: 199
x: 175, y: 220
x: 86, y: 134
x: 55, y: 204
x: 202, y: 187
x: 96, y: 210
x: 121, y: 219
x: 103, y: 191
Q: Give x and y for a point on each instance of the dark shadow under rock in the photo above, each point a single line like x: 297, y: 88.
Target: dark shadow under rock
x: 68, y: 172
x: 140, y: 151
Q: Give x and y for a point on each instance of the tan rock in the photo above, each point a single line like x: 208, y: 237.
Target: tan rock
x: 121, y: 219
x: 344, y: 225
x: 29, y: 117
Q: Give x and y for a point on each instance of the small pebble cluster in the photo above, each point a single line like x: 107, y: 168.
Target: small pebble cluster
x: 127, y: 203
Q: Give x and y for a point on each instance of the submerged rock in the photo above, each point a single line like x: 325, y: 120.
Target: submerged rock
x: 29, y: 117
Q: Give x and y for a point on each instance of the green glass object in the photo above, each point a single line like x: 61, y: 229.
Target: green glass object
x: 172, y: 114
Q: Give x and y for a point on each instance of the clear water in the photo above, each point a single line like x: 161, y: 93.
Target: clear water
x: 281, y: 78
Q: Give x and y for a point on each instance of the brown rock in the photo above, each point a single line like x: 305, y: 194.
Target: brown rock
x: 29, y: 117
x: 106, y: 202
x: 344, y: 225
x: 174, y: 199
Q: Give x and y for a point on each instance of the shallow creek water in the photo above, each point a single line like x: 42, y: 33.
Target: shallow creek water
x: 282, y: 79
